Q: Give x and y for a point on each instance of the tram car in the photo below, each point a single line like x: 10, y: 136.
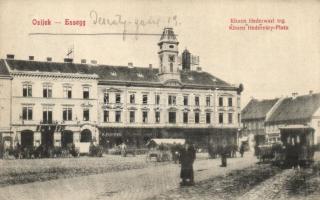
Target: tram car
x: 297, y: 146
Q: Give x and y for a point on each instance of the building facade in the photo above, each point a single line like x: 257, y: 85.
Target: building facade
x: 253, y: 118
x: 57, y: 104
x: 300, y: 111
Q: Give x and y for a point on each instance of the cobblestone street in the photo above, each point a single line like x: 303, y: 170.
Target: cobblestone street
x: 127, y: 184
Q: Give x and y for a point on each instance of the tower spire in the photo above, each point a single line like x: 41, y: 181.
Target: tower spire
x: 168, y: 55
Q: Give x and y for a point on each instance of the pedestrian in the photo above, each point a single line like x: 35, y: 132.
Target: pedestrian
x: 187, y: 157
x: 241, y: 149
x: 223, y: 155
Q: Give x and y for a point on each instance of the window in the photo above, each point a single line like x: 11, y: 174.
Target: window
x: 161, y: 59
x: 118, y: 98
x: 132, y: 99
x: 185, y: 117
x: 196, y: 118
x: 157, y: 99
x: 106, y: 116
x: 157, y: 117
x: 67, y: 92
x: 67, y: 114
x: 172, y: 117
x: 86, y: 93
x: 145, y: 99
x: 47, y: 115
x: 262, y: 125
x: 47, y: 91
x: 144, y: 116
x: 171, y: 67
x: 27, y: 90
x: 208, y: 118
x: 220, y: 118
x: 118, y: 116
x: 230, y: 116
x: 220, y: 101
x: 196, y: 101
x: 230, y: 102
x: 27, y: 113
x: 185, y: 100
x: 132, y: 116
x: 86, y: 114
x: 172, y: 100
x: 238, y: 102
x: 106, y: 98
x: 208, y: 100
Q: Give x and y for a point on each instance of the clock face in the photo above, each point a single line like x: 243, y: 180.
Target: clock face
x: 171, y: 58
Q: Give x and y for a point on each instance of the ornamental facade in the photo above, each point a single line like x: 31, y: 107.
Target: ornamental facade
x: 57, y: 104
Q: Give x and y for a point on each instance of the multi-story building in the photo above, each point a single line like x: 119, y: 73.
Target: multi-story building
x: 5, y: 107
x: 253, y: 118
x: 296, y: 111
x: 52, y: 103
x: 58, y: 103
x: 263, y: 119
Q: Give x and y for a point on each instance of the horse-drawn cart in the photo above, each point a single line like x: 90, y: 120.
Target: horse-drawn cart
x: 164, y: 149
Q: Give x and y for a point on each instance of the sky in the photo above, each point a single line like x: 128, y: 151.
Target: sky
x: 268, y: 63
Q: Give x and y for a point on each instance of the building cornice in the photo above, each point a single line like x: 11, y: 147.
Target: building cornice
x: 52, y: 74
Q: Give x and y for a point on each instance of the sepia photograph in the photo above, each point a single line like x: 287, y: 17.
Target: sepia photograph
x: 159, y: 100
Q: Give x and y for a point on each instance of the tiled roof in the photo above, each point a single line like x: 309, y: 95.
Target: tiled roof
x: 116, y: 73
x: 256, y: 109
x: 25, y: 65
x: 296, y: 109
x: 3, y: 69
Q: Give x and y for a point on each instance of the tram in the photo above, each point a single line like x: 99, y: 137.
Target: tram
x: 297, y: 148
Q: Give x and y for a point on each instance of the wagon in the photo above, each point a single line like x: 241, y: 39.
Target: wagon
x: 164, y: 149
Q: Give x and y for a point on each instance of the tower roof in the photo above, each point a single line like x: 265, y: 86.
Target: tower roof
x: 168, y: 36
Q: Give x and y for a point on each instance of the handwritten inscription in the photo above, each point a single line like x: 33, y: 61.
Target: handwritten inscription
x: 136, y: 23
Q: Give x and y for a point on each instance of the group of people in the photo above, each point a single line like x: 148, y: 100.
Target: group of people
x: 187, y: 156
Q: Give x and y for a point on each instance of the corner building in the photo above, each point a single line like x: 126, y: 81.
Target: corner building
x: 171, y: 101
x: 57, y: 104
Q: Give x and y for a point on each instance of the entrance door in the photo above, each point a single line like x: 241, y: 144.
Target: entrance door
x: 47, y: 136
x: 27, y: 139
x: 66, y: 138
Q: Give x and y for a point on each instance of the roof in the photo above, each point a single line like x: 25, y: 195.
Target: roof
x: 167, y: 141
x: 26, y: 65
x: 296, y: 109
x: 256, y: 109
x: 3, y: 69
x: 116, y: 73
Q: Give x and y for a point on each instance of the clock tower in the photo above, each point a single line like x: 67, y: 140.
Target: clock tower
x: 168, y: 56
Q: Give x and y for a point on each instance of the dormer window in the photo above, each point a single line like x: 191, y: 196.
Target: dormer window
x: 113, y: 73
x: 140, y: 75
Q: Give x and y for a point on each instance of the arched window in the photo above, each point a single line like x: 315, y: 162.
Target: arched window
x: 86, y: 136
x: 171, y: 67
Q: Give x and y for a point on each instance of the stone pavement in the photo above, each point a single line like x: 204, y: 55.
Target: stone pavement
x: 129, y: 184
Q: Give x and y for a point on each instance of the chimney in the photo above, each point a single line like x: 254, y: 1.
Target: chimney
x: 294, y: 95
x: 310, y: 92
x: 49, y: 59
x: 94, y: 62
x: 83, y: 61
x: 10, y: 56
x: 68, y: 60
x: 31, y: 57
x: 130, y: 65
x: 150, y: 66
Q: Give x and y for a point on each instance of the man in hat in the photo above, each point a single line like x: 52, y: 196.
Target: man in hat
x: 187, y: 157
